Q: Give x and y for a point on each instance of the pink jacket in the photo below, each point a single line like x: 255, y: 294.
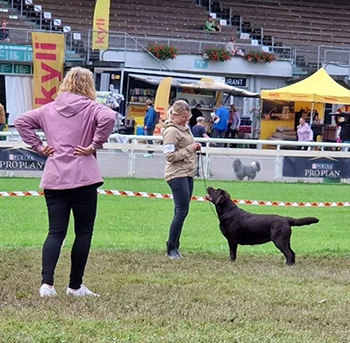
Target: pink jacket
x: 305, y: 133
x: 68, y: 121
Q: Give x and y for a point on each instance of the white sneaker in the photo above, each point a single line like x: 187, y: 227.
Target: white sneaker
x: 83, y: 291
x: 46, y: 291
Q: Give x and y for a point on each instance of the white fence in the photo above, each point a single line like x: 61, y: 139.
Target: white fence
x: 133, y: 145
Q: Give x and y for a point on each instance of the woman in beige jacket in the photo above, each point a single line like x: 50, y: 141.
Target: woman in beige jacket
x: 180, y: 149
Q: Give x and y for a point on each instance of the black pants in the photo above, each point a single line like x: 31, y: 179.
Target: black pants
x: 82, y: 201
x: 182, y: 189
x: 231, y: 133
x: 149, y: 132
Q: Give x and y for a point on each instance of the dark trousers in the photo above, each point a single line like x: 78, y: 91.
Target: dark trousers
x: 149, y: 132
x: 82, y: 201
x: 219, y: 134
x: 231, y: 133
x: 182, y: 189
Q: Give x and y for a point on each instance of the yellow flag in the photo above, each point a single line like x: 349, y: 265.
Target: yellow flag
x: 101, y: 25
x: 48, y: 59
x: 161, y: 103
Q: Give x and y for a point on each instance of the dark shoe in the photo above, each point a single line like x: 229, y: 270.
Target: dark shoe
x: 173, y: 255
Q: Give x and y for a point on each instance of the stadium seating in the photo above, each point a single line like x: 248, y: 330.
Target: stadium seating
x: 140, y: 18
x: 303, y: 24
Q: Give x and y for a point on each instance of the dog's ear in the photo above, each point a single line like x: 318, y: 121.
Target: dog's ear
x: 222, y: 197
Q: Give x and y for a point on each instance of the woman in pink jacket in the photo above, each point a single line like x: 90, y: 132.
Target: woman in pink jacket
x: 304, y: 132
x: 75, y: 126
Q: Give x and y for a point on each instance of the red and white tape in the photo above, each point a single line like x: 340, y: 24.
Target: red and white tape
x: 195, y: 198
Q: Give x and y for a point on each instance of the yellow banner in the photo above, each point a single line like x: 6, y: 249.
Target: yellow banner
x: 161, y: 103
x: 101, y: 25
x: 48, y: 60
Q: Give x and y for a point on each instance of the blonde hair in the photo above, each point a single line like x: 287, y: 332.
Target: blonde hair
x: 178, y: 107
x: 79, y: 81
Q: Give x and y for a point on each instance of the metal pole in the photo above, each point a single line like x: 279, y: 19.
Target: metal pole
x: 277, y: 166
x: 22, y: 8
x: 230, y: 19
x: 209, y: 6
x: 88, y: 47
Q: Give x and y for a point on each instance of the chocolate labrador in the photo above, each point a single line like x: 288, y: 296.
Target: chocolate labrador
x: 241, y: 227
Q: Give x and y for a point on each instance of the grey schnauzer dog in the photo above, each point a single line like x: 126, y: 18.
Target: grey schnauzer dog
x: 241, y: 170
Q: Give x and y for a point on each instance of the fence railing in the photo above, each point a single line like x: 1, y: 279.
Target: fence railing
x: 125, y: 42
x: 133, y: 144
x: 23, y: 36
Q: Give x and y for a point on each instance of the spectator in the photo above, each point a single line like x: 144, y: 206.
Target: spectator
x: 220, y: 123
x: 210, y: 25
x: 199, y: 131
x: 231, y: 46
x: 344, y: 134
x: 304, y: 132
x: 2, y: 117
x: 316, y: 126
x: 233, y: 124
x: 150, y: 124
x: 75, y: 125
x: 4, y: 32
x: 196, y: 112
x: 180, y: 153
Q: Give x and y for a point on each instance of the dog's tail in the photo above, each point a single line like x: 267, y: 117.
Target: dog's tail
x: 302, y: 221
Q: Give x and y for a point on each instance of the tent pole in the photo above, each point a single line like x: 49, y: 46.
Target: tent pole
x: 312, y: 112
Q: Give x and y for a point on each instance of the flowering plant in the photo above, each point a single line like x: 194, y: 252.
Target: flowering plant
x: 217, y: 55
x: 259, y: 57
x: 162, y: 52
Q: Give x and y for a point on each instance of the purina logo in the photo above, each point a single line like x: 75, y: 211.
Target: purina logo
x: 316, y: 167
x: 21, y: 157
x: 322, y: 170
x: 323, y: 166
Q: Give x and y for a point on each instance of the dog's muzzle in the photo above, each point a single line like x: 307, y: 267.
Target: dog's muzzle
x: 208, y: 197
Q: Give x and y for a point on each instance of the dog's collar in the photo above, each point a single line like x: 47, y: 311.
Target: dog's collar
x: 223, y: 215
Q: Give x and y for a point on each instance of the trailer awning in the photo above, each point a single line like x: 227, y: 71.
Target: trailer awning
x: 155, y: 80
x: 202, y: 84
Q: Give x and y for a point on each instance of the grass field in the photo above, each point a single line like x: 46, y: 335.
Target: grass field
x: 204, y: 298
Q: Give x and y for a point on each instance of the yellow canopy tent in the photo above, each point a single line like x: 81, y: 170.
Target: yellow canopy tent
x: 319, y: 87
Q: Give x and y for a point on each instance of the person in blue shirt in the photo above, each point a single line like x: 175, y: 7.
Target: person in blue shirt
x: 149, y: 124
x: 220, y: 123
x: 199, y: 131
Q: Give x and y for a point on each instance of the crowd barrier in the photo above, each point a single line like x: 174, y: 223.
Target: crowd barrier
x: 277, y: 149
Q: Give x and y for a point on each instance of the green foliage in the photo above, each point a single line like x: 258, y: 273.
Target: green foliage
x: 162, y: 52
x: 259, y: 57
x: 217, y: 55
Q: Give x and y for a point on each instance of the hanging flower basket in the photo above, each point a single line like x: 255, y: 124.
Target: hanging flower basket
x: 259, y: 57
x: 217, y: 55
x: 162, y: 52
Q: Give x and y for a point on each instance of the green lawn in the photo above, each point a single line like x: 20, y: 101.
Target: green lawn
x: 204, y: 298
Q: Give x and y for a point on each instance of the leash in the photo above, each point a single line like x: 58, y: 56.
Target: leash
x: 205, y: 184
